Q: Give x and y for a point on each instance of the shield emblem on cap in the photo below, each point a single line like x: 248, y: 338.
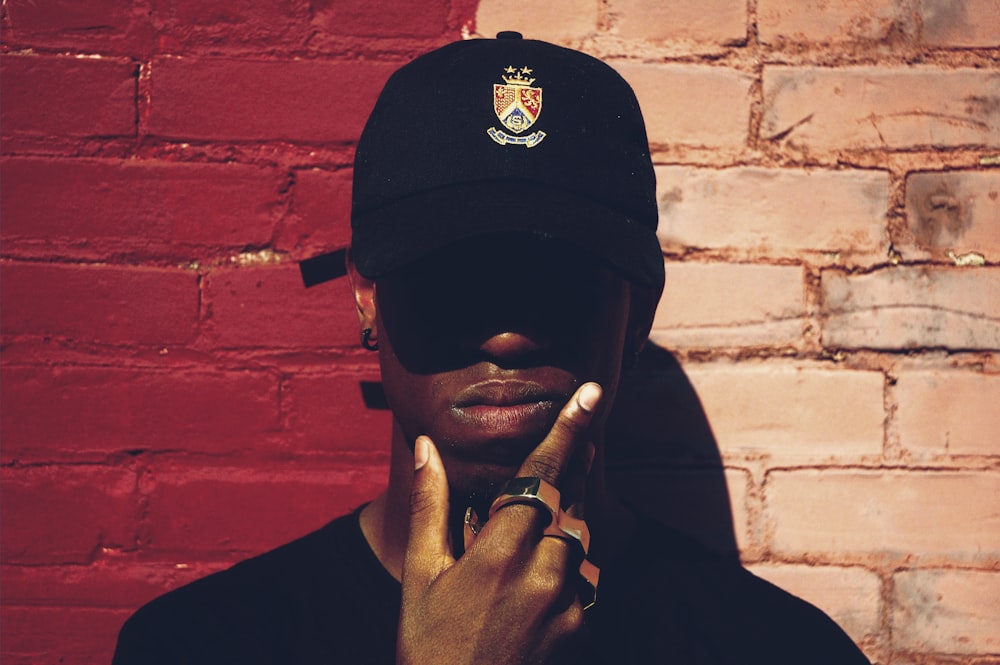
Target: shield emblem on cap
x: 516, y: 104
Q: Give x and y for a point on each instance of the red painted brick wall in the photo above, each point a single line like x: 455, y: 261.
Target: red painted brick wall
x: 173, y: 400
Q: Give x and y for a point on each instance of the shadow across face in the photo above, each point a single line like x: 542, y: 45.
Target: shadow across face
x: 561, y: 303
x: 481, y: 344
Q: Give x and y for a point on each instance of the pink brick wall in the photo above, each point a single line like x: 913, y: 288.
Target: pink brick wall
x: 173, y: 400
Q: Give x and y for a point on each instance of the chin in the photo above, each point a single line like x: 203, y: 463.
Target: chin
x: 477, y: 485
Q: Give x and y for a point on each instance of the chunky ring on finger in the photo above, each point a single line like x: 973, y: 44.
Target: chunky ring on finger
x: 532, y: 491
x: 590, y: 574
x: 573, y: 529
x: 567, y: 527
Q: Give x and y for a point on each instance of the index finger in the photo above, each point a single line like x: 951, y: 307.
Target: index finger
x: 552, y: 456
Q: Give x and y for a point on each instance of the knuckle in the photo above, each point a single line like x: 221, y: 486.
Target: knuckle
x: 572, y: 619
x: 504, y: 550
x: 509, y: 530
x: 568, y: 425
x: 545, y: 465
x: 544, y: 583
x: 421, y: 502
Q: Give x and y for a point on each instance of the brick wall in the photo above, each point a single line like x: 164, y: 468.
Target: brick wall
x: 173, y: 400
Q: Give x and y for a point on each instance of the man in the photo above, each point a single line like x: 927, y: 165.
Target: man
x: 505, y: 268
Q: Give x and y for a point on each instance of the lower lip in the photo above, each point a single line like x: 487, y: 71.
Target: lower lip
x: 506, y: 420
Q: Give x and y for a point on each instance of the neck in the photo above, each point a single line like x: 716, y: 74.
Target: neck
x: 385, y: 521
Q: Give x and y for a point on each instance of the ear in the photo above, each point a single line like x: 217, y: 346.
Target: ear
x: 364, y: 296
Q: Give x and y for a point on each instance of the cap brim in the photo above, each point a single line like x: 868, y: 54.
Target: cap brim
x: 404, y: 231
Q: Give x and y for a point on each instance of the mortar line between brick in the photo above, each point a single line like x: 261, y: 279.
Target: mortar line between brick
x: 143, y: 101
x: 900, y: 467
x: 753, y: 53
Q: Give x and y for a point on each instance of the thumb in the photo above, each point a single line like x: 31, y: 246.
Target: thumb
x: 428, y: 552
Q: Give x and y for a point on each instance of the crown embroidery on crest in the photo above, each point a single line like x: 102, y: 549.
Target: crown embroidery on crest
x: 517, y: 105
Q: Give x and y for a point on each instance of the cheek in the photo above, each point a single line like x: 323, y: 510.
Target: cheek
x: 422, y: 327
x: 602, y: 341
x: 416, y: 399
x: 600, y: 333
x: 606, y: 367
x: 403, y: 389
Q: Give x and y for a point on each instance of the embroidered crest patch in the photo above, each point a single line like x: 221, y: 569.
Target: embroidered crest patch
x: 517, y: 106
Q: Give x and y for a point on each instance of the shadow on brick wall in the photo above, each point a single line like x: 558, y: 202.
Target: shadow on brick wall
x: 662, y: 457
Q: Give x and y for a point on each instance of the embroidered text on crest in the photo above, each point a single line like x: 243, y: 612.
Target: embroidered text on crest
x: 517, y: 106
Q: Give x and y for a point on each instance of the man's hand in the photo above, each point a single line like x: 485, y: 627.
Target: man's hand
x: 511, y: 598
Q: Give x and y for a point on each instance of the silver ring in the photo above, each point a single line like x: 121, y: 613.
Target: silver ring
x: 590, y: 575
x: 529, y: 490
x: 472, y: 521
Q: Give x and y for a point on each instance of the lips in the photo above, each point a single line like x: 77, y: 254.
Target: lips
x: 508, y: 408
x: 505, y: 393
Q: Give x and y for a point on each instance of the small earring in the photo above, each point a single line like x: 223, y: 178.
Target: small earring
x: 366, y: 340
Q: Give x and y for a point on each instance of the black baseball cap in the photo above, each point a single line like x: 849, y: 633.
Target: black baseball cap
x: 505, y: 135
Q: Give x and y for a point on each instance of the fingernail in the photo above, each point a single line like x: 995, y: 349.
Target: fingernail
x: 421, y: 453
x: 589, y: 396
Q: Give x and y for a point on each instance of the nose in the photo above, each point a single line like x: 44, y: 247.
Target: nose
x: 511, y: 346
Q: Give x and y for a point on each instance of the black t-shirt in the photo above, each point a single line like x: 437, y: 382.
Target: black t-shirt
x: 325, y: 598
